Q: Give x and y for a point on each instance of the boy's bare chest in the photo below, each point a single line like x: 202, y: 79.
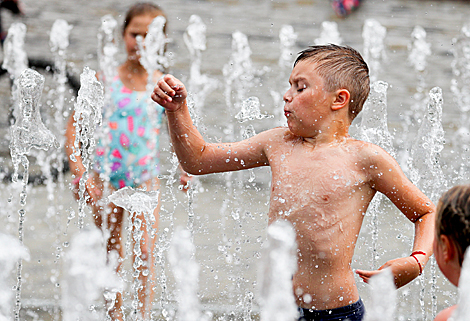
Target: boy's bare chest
x: 324, y: 181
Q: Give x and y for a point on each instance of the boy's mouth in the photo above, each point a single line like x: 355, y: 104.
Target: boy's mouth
x: 286, y: 113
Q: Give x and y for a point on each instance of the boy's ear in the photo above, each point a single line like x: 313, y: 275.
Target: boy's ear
x: 341, y: 99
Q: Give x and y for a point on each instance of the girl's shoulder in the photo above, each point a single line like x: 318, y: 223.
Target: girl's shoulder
x: 445, y: 314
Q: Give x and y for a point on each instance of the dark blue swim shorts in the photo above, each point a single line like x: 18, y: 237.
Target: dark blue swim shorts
x: 352, y: 312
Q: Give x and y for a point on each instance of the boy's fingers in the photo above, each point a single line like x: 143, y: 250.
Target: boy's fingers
x: 163, y: 89
x: 367, y: 274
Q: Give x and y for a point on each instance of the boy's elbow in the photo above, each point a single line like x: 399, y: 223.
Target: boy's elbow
x: 430, y: 215
x: 192, y: 169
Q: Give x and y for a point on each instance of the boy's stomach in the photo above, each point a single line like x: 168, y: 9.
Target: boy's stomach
x: 323, y: 284
x: 326, y: 241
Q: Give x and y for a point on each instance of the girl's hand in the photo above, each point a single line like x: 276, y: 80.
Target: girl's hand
x: 93, y: 187
x: 169, y: 93
x: 185, y: 181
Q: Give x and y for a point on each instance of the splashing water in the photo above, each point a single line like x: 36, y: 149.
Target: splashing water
x: 250, y: 110
x: 15, y: 58
x: 425, y: 171
x: 373, y: 34
x: 462, y: 312
x: 137, y: 202
x: 28, y: 130
x: 59, y: 38
x: 287, y: 39
x: 11, y: 251
x: 460, y: 88
x: 329, y: 34
x: 107, y: 48
x: 88, y: 272
x: 419, y: 49
x: 374, y: 129
x: 87, y: 116
x: 238, y: 72
x: 277, y: 266
x: 152, y: 51
x: 186, y: 272
x: 383, y: 297
x: 200, y: 85
x: 59, y: 42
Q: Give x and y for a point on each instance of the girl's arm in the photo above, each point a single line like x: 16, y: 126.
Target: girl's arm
x: 77, y: 168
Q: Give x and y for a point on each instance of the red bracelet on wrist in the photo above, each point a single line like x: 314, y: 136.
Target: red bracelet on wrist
x: 417, y: 261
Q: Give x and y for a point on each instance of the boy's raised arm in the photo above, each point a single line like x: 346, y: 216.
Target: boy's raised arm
x: 195, y: 155
x: 388, y: 178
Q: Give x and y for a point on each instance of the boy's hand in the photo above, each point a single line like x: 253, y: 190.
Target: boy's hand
x: 404, y: 270
x: 169, y: 93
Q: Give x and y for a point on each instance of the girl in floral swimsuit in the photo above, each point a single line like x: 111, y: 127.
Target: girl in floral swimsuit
x: 131, y: 146
x: 131, y: 154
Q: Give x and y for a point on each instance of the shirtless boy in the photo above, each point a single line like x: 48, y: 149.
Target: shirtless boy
x: 322, y: 179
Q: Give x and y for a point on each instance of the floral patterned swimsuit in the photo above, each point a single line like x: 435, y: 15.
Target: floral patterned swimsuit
x: 133, y: 153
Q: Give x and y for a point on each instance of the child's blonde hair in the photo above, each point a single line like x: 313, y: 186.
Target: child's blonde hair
x: 341, y: 67
x: 453, y: 217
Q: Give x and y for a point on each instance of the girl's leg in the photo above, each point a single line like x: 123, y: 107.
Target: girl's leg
x: 115, y: 220
x: 147, y: 275
x: 113, y: 226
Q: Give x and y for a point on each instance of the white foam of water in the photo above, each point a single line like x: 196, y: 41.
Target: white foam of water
x: 383, y: 297
x: 135, y: 200
x: 10, y: 252
x: 59, y: 37
x: 186, y: 271
x: 374, y: 34
x: 329, y: 34
x: 462, y: 312
x: 88, y: 272
x: 419, y: 49
x: 277, y: 266
x: 15, y: 58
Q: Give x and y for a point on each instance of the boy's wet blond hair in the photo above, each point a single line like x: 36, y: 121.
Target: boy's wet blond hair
x: 341, y: 67
x: 453, y: 217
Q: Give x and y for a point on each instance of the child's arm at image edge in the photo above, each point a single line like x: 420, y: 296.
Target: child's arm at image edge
x: 388, y: 178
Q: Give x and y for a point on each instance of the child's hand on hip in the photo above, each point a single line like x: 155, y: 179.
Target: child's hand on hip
x: 169, y: 92
x: 404, y: 270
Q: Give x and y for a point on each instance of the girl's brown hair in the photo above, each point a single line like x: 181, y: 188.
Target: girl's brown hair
x: 453, y: 217
x: 142, y: 8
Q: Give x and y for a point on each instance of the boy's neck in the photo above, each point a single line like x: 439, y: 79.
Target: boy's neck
x: 336, y: 131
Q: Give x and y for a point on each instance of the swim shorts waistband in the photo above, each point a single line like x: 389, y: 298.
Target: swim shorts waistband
x: 354, y: 311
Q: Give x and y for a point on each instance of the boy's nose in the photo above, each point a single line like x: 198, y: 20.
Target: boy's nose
x: 287, y: 97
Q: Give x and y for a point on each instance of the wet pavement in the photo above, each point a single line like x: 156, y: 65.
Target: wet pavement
x: 228, y: 244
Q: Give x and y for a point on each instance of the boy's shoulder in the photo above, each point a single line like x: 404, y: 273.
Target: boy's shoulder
x: 368, y: 154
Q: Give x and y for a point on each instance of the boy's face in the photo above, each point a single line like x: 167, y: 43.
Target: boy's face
x: 307, y: 103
